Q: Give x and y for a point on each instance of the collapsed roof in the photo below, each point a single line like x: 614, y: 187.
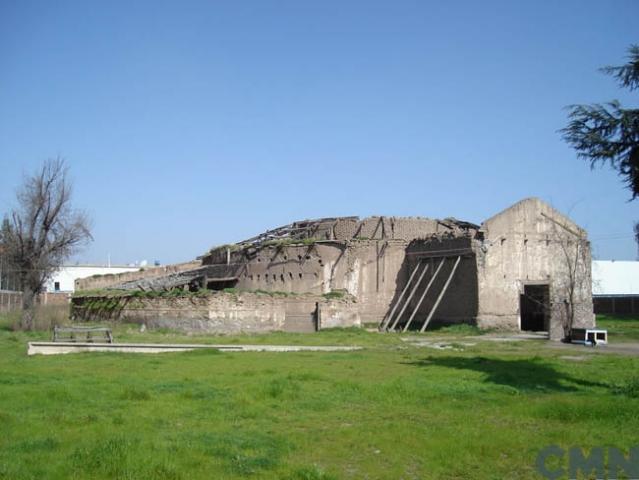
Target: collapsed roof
x: 217, y: 266
x: 370, y: 228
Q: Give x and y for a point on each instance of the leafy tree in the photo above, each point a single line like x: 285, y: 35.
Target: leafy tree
x: 41, y: 232
x: 609, y: 134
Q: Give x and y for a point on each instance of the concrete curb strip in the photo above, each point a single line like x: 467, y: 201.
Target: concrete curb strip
x: 56, y: 348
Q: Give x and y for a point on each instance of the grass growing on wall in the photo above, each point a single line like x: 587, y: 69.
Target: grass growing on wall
x: 284, y: 242
x: 480, y: 410
x: 176, y: 292
x: 269, y: 293
x: 335, y: 294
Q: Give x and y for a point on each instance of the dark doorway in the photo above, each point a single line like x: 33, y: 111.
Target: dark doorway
x: 221, y: 283
x: 534, y: 307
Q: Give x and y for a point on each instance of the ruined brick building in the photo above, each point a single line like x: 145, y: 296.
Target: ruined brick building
x: 526, y: 268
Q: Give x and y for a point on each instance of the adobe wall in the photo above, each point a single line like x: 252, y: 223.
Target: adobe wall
x: 363, y: 257
x: 340, y: 230
x: 289, y: 268
x: 459, y: 303
x: 334, y: 314
x: 524, y: 246
x: 399, y: 228
x: 372, y: 259
x: 527, y: 244
x: 221, y: 313
x: 369, y: 270
x: 98, y: 282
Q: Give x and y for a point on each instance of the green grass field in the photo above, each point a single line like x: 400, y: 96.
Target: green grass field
x: 393, y: 410
x: 620, y: 329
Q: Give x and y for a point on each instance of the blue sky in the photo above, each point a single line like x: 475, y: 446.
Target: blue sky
x: 189, y: 124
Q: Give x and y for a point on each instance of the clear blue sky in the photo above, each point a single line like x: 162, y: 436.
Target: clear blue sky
x: 189, y: 124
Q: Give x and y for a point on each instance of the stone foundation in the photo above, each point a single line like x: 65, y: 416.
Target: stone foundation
x: 222, y: 313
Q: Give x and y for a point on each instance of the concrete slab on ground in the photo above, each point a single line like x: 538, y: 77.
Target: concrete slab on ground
x: 444, y: 343
x: 57, y: 348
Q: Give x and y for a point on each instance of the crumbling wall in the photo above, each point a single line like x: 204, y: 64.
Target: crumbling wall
x: 336, y: 314
x: 221, y: 313
x: 399, y: 228
x: 98, y: 282
x: 363, y: 257
x: 370, y: 270
x: 345, y: 228
x: 459, y: 303
x: 291, y: 268
x: 523, y: 245
x: 413, y: 228
x: 368, y: 259
x: 366, y: 269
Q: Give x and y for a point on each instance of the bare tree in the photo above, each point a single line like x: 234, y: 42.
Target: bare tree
x: 572, y: 282
x: 42, y: 232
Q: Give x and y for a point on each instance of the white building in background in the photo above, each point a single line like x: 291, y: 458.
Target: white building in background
x: 615, y: 286
x: 64, y: 279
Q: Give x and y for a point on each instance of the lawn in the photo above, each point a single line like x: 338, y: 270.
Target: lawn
x: 394, y: 410
x: 620, y: 329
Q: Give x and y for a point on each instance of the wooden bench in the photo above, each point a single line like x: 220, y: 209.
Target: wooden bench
x: 77, y: 333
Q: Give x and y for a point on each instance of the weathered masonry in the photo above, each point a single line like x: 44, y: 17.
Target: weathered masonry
x: 526, y: 268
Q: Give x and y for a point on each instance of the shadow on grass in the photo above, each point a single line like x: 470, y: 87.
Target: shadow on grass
x: 522, y: 374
